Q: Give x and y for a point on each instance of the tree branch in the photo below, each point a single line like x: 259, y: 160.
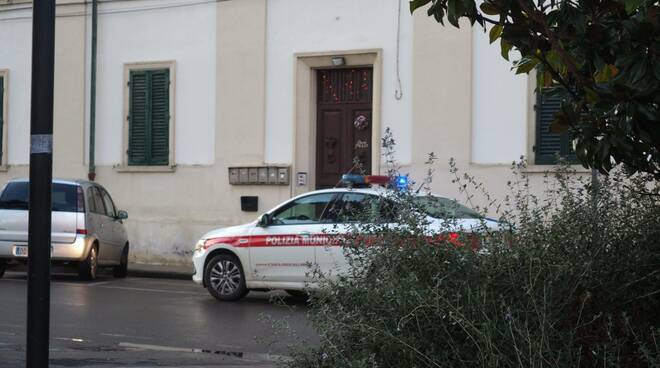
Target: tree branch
x: 539, y: 17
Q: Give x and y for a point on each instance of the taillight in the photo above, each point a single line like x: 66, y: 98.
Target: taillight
x: 81, y: 231
x: 81, y: 200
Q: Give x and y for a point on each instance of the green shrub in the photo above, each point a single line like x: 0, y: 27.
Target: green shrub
x: 572, y: 279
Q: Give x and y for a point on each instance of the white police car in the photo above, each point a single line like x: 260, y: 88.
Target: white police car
x: 276, y: 250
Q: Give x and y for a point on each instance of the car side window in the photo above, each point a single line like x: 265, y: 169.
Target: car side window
x: 305, y: 210
x: 109, y: 205
x: 95, y: 201
x: 388, y: 210
x: 91, y: 204
x: 357, y: 207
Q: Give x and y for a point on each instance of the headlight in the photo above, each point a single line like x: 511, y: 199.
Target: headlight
x: 200, y: 245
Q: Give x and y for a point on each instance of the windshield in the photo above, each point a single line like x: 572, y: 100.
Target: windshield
x: 16, y: 197
x: 438, y: 207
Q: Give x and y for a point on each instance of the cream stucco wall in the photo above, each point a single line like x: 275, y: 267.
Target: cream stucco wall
x: 455, y: 114
x: 16, y: 35
x: 500, y: 100
x: 170, y: 211
x: 184, y: 35
x: 219, y: 111
x: 69, y: 106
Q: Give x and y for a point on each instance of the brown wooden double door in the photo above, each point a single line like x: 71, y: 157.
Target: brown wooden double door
x: 344, y: 126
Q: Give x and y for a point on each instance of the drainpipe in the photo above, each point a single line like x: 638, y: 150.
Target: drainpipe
x: 91, y: 175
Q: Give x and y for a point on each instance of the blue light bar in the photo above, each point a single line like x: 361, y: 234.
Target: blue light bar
x: 353, y: 178
x: 401, y: 182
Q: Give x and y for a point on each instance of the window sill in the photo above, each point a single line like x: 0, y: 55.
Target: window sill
x: 578, y: 169
x: 145, y: 169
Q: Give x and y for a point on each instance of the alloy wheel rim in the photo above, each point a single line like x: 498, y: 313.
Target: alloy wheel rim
x: 225, y: 277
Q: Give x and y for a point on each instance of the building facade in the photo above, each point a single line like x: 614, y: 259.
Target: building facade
x: 203, y: 105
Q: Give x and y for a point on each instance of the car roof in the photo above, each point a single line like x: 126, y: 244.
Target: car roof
x: 57, y: 181
x: 368, y: 190
x: 375, y: 190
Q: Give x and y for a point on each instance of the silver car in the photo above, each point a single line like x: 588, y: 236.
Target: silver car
x: 87, y: 229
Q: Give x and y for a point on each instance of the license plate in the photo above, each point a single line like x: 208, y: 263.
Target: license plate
x: 20, y: 251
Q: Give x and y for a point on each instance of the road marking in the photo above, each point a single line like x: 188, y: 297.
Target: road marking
x: 154, y: 290
x: 74, y: 339
x: 253, y: 357
x: 66, y: 283
x: 101, y: 283
x: 129, y: 336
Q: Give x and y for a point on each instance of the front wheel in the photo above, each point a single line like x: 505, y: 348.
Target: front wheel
x: 87, y: 268
x: 224, y: 278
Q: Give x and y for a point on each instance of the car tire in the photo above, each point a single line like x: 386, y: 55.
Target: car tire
x: 121, y: 271
x: 224, y: 278
x: 3, y: 267
x: 87, y: 269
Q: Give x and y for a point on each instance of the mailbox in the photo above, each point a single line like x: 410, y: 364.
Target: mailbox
x: 259, y: 175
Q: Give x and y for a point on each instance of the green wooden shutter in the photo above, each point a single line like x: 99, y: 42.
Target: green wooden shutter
x: 138, y: 118
x: 548, y: 144
x: 149, y: 117
x: 160, y: 117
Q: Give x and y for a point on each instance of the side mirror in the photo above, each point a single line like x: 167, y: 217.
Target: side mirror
x: 265, y: 220
x: 122, y: 215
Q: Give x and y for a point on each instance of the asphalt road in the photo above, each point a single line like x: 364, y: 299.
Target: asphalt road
x: 140, y: 322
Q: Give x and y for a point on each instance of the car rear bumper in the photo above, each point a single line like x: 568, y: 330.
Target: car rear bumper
x: 76, y: 251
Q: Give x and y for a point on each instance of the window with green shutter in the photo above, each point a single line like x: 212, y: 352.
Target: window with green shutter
x: 550, y: 145
x: 149, y: 117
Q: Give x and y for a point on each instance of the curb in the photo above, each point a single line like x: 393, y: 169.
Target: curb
x: 160, y: 272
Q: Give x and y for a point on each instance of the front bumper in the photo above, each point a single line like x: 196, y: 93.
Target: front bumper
x: 76, y: 251
x: 199, y: 257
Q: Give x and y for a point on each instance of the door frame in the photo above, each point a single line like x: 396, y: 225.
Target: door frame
x: 304, y: 127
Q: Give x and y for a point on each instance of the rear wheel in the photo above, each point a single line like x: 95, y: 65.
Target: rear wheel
x: 224, y: 278
x: 87, y: 268
x: 121, y: 271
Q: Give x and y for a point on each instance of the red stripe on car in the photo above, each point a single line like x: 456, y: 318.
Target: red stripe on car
x: 285, y: 240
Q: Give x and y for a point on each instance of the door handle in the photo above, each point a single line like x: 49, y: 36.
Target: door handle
x: 304, y: 233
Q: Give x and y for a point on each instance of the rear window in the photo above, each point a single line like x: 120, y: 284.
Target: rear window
x: 16, y: 197
x: 443, y: 208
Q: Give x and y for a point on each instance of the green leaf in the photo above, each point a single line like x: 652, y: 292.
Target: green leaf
x: 437, y: 12
x: 489, y: 8
x: 505, y: 47
x: 455, y: 10
x: 607, y: 73
x: 560, y: 124
x: 631, y: 5
x: 525, y: 65
x: 495, y: 32
x: 415, y: 4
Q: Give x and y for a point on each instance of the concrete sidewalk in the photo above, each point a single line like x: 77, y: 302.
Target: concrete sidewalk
x: 166, y: 271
